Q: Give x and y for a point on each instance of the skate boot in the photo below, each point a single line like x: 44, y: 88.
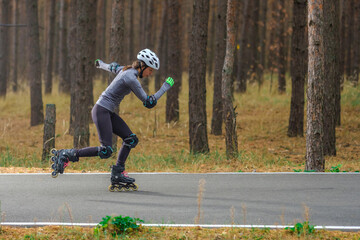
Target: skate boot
x: 61, y: 160
x: 120, y: 181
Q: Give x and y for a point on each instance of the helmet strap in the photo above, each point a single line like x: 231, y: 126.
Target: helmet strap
x: 141, y: 71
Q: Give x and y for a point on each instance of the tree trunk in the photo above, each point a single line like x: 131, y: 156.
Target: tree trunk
x: 15, y: 49
x: 356, y: 50
x: 241, y: 80
x: 117, y: 37
x: 349, y: 37
x: 197, y: 84
x: 282, y: 49
x: 262, y: 43
x: 299, y: 60
x: 173, y: 51
x: 161, y: 50
x: 49, y: 131
x: 315, y: 92
x: 72, y: 63
x: 229, y: 114
x: 4, y: 47
x: 132, y: 54
x: 86, y: 29
x: 220, y: 47
x: 34, y: 70
x: 254, y: 41
x: 50, y: 48
x: 331, y: 75
x: 147, y: 36
x: 211, y: 40
x: 64, y: 83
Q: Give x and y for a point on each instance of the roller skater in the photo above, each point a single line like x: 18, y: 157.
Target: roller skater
x: 108, y: 122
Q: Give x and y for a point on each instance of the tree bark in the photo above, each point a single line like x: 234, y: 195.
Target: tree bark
x: 50, y: 48
x: 72, y: 63
x: 282, y: 49
x: 331, y: 75
x: 315, y: 92
x: 49, y: 131
x: 241, y: 81
x: 117, y: 38
x: 220, y: 46
x: 15, y: 49
x: 161, y: 50
x: 299, y: 60
x: 173, y: 51
x: 64, y: 83
x: 262, y: 43
x: 34, y: 70
x: 229, y: 114
x: 4, y: 47
x: 356, y: 50
x: 197, y: 84
x: 86, y: 28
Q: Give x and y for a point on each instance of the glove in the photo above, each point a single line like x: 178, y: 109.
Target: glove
x: 170, y: 81
x: 150, y: 102
x: 98, y: 62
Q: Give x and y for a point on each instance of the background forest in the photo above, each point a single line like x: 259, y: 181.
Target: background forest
x: 49, y: 47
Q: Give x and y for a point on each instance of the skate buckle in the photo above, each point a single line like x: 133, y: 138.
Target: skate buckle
x: 125, y: 174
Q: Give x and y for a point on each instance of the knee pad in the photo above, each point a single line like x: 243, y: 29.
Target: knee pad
x: 105, y: 151
x: 131, y: 141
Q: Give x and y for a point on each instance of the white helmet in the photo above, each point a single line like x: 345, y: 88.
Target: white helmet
x: 149, y: 58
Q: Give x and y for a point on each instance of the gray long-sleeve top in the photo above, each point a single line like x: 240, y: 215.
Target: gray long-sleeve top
x: 123, y: 84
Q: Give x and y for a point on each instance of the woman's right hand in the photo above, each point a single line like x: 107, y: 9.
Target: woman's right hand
x: 98, y: 62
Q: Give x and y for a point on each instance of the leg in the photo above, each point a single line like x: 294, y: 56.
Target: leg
x: 102, y: 120
x: 121, y: 129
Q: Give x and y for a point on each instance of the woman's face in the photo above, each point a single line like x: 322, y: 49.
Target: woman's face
x: 147, y: 72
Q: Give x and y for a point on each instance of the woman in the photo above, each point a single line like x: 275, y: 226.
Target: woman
x: 108, y: 122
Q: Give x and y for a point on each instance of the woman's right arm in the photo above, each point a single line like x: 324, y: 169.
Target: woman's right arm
x: 112, y: 67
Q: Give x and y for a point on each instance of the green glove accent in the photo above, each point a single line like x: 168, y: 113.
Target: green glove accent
x: 170, y: 81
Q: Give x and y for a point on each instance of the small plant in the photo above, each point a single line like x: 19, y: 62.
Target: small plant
x: 117, y: 225
x: 335, y: 168
x: 302, y: 228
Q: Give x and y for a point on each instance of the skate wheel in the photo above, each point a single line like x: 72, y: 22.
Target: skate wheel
x: 54, y: 174
x: 112, y: 188
x: 53, y: 166
x: 53, y: 158
x: 53, y: 151
x: 135, y: 187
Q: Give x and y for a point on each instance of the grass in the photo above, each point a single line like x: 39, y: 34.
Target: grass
x: 56, y: 232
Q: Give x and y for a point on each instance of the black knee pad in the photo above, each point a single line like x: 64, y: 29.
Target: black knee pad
x: 131, y: 141
x: 105, y: 151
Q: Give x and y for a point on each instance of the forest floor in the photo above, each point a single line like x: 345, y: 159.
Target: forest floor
x: 264, y: 146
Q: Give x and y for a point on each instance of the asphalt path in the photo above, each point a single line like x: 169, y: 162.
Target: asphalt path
x: 228, y: 198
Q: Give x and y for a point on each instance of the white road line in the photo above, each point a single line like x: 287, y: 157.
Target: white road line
x: 35, y: 224
x: 215, y: 173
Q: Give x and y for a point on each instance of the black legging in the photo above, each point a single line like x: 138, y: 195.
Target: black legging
x: 108, y: 123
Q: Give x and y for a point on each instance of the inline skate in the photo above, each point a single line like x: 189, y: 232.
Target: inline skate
x: 120, y: 181
x: 61, y: 160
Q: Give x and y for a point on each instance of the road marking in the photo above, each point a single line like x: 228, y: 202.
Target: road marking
x: 215, y: 173
x: 37, y: 224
